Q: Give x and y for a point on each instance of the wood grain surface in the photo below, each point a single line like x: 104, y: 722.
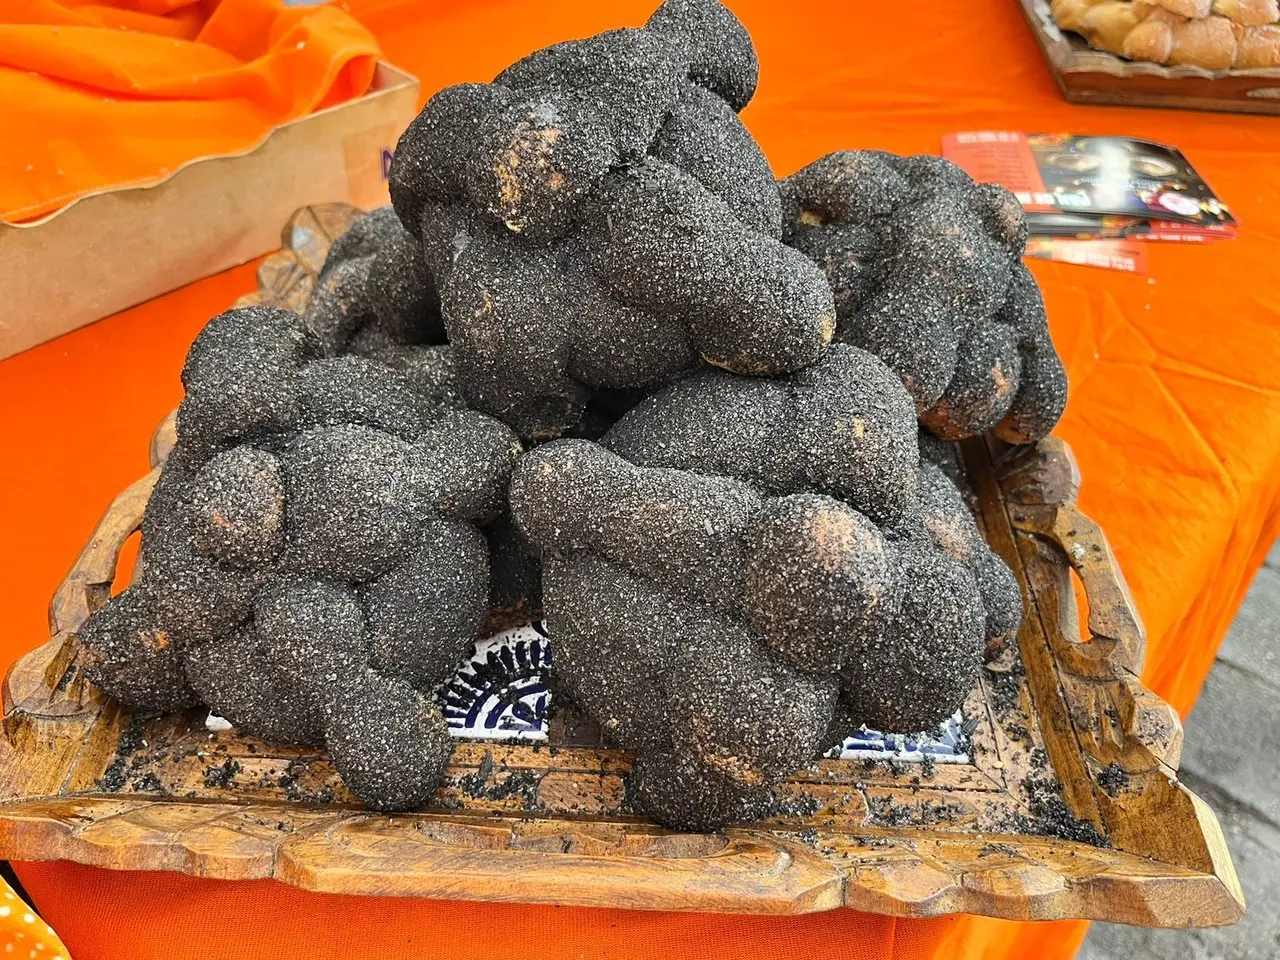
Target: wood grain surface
x: 1069, y: 807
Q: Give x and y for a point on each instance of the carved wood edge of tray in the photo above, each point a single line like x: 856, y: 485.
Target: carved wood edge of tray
x: 1112, y: 743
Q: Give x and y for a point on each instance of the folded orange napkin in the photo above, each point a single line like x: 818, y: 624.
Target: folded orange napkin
x: 97, y: 95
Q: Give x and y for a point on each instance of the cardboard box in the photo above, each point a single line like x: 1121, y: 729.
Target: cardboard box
x: 115, y: 248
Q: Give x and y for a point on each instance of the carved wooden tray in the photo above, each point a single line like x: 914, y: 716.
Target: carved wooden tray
x: 1085, y: 75
x: 1069, y: 806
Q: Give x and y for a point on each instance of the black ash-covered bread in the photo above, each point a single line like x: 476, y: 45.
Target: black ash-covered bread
x: 738, y: 565
x: 375, y: 298
x: 598, y: 218
x: 927, y: 273
x: 740, y: 559
x: 312, y: 563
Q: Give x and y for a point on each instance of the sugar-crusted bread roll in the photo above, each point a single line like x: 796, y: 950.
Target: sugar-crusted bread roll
x: 1208, y: 43
x: 1188, y: 9
x: 1106, y: 25
x: 1152, y: 38
x: 1257, y: 46
x: 1249, y: 13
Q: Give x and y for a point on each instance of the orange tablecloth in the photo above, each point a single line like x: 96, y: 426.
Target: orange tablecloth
x: 1174, y: 416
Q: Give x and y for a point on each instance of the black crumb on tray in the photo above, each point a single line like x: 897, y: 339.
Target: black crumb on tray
x: 1113, y: 779
x: 150, y: 783
x: 482, y: 785
x: 221, y: 775
x: 885, y: 811
x: 288, y: 781
x: 1050, y: 815
x: 115, y: 777
x: 518, y: 783
x: 992, y: 849
x: 1006, y: 686
x: 472, y: 783
x: 800, y: 806
x: 809, y: 837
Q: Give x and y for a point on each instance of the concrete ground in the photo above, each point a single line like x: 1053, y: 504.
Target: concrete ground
x: 1239, y: 776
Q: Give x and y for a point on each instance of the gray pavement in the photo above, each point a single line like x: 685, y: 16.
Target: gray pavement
x: 1231, y: 758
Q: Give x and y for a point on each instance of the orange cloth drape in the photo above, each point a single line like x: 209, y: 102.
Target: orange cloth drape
x: 1174, y: 417
x: 99, y: 95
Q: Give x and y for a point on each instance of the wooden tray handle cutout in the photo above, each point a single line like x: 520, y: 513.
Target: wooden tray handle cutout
x: 44, y: 683
x: 163, y: 440
x: 286, y: 278
x: 1041, y: 490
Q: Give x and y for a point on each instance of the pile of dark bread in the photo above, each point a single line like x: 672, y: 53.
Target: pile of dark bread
x: 682, y: 400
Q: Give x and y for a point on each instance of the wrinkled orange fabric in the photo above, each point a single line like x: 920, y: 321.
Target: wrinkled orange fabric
x: 97, y: 95
x: 1174, y: 416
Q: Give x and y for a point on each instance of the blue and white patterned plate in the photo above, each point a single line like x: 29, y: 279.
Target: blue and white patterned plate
x: 501, y: 691
x: 944, y: 745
